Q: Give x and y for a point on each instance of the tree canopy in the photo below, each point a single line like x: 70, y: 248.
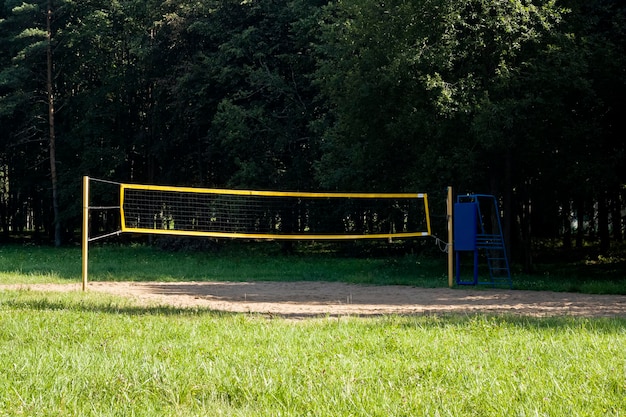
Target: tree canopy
x: 520, y: 99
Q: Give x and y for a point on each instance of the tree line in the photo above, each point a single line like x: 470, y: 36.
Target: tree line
x: 519, y: 98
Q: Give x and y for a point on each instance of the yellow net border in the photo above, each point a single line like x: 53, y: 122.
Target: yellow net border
x: 124, y: 188
x: 128, y: 226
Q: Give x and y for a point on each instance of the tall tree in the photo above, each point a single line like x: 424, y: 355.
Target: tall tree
x: 24, y: 108
x: 434, y: 91
x: 50, y: 90
x: 262, y: 123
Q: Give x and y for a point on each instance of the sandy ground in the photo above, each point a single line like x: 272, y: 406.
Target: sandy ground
x: 313, y: 299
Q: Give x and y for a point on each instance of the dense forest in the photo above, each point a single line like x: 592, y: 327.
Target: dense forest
x: 517, y: 98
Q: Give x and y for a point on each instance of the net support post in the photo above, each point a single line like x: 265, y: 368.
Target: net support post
x: 85, y: 240
x: 449, y: 206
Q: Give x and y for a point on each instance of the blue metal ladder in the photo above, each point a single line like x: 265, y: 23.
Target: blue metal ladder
x: 484, y: 236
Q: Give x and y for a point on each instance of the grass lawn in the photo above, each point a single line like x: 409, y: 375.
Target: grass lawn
x: 265, y: 262
x: 19, y: 264
x: 91, y: 355
x: 88, y: 354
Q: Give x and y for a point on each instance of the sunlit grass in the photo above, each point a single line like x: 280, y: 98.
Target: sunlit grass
x: 94, y: 355
x: 88, y: 354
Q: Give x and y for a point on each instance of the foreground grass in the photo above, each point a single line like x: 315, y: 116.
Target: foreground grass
x: 90, y: 355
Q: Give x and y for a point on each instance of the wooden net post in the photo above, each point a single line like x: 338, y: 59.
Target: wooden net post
x: 85, y: 244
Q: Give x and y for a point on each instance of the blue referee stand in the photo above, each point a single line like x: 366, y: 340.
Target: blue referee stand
x: 478, y: 231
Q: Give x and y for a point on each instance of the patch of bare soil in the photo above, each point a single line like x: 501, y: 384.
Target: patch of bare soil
x: 313, y: 299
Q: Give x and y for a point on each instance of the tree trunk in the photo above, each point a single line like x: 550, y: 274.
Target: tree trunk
x: 580, y: 220
x: 52, y: 135
x: 507, y: 202
x: 616, y: 216
x: 603, y: 223
x: 567, y: 224
x: 525, y: 228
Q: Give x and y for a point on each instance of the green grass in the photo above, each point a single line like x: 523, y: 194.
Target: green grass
x: 88, y: 354
x: 32, y: 264
x: 241, y: 262
x: 92, y: 355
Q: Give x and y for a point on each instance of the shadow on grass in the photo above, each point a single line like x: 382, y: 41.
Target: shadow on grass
x: 26, y: 300
x: 266, y: 262
x: 486, y: 321
x: 591, y: 277
x: 81, y: 303
x: 493, y: 321
x: 140, y: 263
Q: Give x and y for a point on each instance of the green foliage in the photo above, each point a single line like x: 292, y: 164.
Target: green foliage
x: 440, y: 70
x: 515, y: 98
x: 261, y: 123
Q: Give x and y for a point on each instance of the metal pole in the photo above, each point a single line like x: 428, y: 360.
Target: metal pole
x: 450, y: 238
x: 85, y: 245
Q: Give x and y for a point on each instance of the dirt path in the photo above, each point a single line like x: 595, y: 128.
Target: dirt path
x: 310, y: 299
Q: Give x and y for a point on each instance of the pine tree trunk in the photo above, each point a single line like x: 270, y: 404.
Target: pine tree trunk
x: 603, y: 223
x: 567, y: 224
x: 580, y: 218
x: 616, y: 216
x: 525, y: 227
x: 52, y: 135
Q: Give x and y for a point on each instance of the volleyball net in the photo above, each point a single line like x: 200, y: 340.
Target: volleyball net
x: 250, y: 214
x: 253, y: 214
